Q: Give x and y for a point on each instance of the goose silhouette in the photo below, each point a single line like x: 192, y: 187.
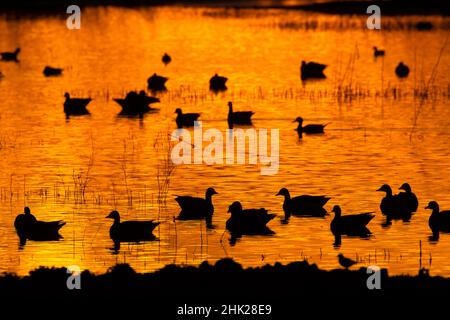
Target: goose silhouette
x: 310, y: 128
x: 10, y: 56
x: 75, y: 106
x: 28, y: 227
x: 136, y: 103
x: 131, y: 231
x: 157, y: 83
x: 304, y: 205
x: 402, y: 70
x: 396, y: 206
x: 378, y: 53
x: 166, y: 59
x: 439, y: 221
x: 50, y: 71
x: 193, y: 208
x: 312, y: 70
x: 352, y: 224
x: 185, y: 119
x: 248, y: 221
x: 218, y: 83
x: 238, y: 117
x: 407, y: 199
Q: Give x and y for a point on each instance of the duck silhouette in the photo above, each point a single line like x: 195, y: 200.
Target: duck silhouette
x: 407, y: 199
x: 238, y: 117
x: 352, y: 224
x: 10, y: 56
x: 304, y: 205
x: 402, y: 70
x: 312, y: 70
x: 197, y: 208
x: 28, y: 227
x: 131, y: 231
x: 310, y: 128
x: 218, y: 83
x: 439, y: 221
x: 50, y: 71
x: 75, y: 106
x: 395, y: 206
x: 248, y: 221
x: 378, y: 53
x: 136, y: 103
x: 166, y: 59
x: 157, y: 83
x: 185, y: 119
x: 345, y: 262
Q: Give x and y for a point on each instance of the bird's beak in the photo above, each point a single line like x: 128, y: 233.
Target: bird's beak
x: 215, y: 192
x: 294, y: 121
x: 278, y: 194
x: 401, y: 188
x: 427, y: 207
x: 380, y: 189
x: 108, y: 216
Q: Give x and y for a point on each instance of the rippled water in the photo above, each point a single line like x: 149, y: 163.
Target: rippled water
x: 380, y: 132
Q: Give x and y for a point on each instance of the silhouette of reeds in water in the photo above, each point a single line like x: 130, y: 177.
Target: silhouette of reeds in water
x: 163, y: 147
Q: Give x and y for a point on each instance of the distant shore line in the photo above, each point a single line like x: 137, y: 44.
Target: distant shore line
x: 388, y: 8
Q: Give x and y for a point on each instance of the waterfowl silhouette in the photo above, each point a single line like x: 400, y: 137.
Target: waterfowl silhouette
x: 136, y: 103
x: 197, y: 208
x: 238, y: 117
x: 353, y: 224
x: 402, y: 70
x: 312, y: 70
x: 185, y: 119
x: 304, y: 205
x: 166, y: 59
x: 50, y: 71
x: 345, y: 262
x: 10, y: 56
x: 248, y: 221
x: 157, y: 83
x: 131, y: 231
x: 75, y: 106
x: 28, y: 227
x: 439, y: 221
x: 310, y: 128
x: 407, y: 200
x: 378, y: 53
x: 217, y: 83
x: 390, y: 204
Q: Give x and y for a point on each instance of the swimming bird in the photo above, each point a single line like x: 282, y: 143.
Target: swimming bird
x: 439, y: 220
x: 248, y: 221
x: 28, y: 227
x: 75, y: 106
x: 50, y: 71
x: 390, y: 204
x: 310, y: 128
x: 157, y: 83
x: 378, y: 53
x: 10, y: 56
x: 217, y: 83
x: 238, y: 117
x: 166, y: 59
x: 304, y: 205
x: 345, y: 262
x: 402, y: 70
x: 407, y: 199
x: 185, y: 119
x: 131, y: 231
x: 136, y: 103
x: 197, y: 208
x: 352, y: 224
x: 312, y: 70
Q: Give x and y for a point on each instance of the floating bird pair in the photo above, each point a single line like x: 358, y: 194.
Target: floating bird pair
x: 136, y: 103
x: 399, y: 205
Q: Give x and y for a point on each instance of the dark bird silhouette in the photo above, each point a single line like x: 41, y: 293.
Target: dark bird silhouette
x: 197, y: 208
x: 407, y: 199
x: 75, y: 106
x: 439, y: 221
x: 166, y: 59
x: 238, y: 117
x: 390, y: 204
x: 352, y: 224
x: 136, y: 103
x: 310, y: 128
x: 312, y: 70
x: 131, y: 231
x: 345, y: 262
x: 28, y: 227
x: 185, y: 119
x: 10, y: 56
x: 50, y: 71
x: 378, y: 53
x: 304, y: 205
x: 157, y: 83
x: 402, y: 70
x: 217, y: 83
x: 248, y: 221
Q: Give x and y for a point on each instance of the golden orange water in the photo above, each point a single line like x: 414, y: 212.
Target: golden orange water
x: 380, y: 132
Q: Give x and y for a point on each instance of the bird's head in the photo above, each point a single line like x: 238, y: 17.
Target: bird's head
x: 433, y: 205
x: 236, y: 207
